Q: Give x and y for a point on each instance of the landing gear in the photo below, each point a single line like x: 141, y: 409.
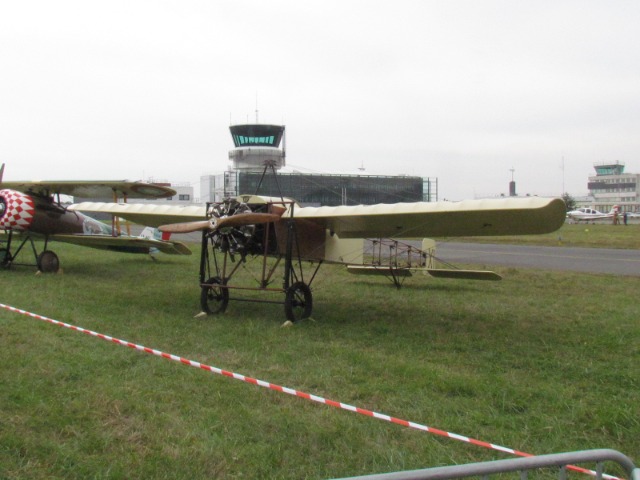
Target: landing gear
x: 214, y: 298
x: 5, y: 258
x: 270, y: 243
x: 48, y: 262
x: 45, y: 261
x: 298, y: 302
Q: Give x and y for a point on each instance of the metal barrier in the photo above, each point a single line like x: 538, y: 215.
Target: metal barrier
x: 562, y: 461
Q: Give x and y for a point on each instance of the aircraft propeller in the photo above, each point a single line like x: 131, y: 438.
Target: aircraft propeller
x: 216, y: 223
x: 231, y: 227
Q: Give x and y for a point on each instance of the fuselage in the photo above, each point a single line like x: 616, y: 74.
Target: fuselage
x: 24, y: 212
x: 586, y: 214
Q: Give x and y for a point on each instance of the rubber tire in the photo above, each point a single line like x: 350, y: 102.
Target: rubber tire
x: 298, y: 302
x: 214, y: 300
x: 48, y: 262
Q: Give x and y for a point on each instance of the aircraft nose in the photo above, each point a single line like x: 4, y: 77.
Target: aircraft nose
x: 17, y: 210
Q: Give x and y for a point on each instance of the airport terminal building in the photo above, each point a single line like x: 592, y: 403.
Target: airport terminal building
x: 257, y: 145
x: 612, y: 186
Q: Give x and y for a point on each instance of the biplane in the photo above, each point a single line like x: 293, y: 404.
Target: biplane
x: 278, y: 235
x: 33, y: 210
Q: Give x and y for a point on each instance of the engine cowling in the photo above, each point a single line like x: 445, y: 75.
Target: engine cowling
x: 17, y: 210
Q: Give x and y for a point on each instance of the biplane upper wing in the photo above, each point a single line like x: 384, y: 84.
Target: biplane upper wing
x: 92, y: 189
x: 512, y: 216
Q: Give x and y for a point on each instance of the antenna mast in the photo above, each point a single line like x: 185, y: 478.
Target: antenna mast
x: 563, y: 189
x: 257, y: 108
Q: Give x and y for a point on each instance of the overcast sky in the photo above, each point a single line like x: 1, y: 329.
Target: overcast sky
x: 464, y: 91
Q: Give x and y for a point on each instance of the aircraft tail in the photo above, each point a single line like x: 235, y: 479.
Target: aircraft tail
x: 151, y: 233
x: 164, y: 245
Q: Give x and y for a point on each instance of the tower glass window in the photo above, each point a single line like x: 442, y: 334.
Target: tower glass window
x: 256, y: 135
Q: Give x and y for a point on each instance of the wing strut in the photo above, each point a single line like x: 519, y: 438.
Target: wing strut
x: 115, y: 220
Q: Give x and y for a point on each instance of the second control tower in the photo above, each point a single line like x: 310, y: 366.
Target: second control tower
x: 257, y: 145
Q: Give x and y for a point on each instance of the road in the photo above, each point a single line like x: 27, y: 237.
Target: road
x: 590, y: 260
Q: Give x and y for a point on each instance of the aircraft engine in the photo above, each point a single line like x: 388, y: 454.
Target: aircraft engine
x: 240, y: 239
x: 17, y: 210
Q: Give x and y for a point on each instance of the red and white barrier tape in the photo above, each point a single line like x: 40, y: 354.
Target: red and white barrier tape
x: 291, y: 391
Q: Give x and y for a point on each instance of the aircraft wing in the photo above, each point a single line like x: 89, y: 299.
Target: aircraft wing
x: 124, y: 244
x: 513, y: 216
x: 92, y: 189
x: 509, y: 216
x: 149, y: 215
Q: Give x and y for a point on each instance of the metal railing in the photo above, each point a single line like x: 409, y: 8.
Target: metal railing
x: 520, y: 465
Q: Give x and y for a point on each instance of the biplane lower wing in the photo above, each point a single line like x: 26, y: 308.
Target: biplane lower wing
x: 124, y: 244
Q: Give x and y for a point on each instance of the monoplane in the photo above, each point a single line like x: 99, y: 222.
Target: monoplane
x: 588, y: 214
x: 280, y: 235
x: 33, y: 210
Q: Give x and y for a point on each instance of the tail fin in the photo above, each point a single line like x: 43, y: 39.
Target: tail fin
x: 154, y: 234
x: 164, y: 245
x: 151, y: 234
x: 1, y: 172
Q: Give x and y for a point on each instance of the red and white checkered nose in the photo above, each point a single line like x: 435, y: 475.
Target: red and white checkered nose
x: 16, y: 210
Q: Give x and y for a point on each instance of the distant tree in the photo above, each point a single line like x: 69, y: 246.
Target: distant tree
x: 569, y: 201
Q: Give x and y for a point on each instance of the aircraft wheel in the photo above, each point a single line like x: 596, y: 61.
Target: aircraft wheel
x: 48, y: 262
x: 298, y: 302
x: 213, y: 298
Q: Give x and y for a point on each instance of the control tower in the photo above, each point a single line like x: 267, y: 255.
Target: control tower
x: 609, y: 168
x: 257, y: 145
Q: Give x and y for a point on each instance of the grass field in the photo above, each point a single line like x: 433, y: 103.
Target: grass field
x: 542, y: 362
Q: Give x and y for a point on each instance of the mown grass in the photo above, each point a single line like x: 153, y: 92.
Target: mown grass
x: 542, y: 362
x: 600, y: 235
